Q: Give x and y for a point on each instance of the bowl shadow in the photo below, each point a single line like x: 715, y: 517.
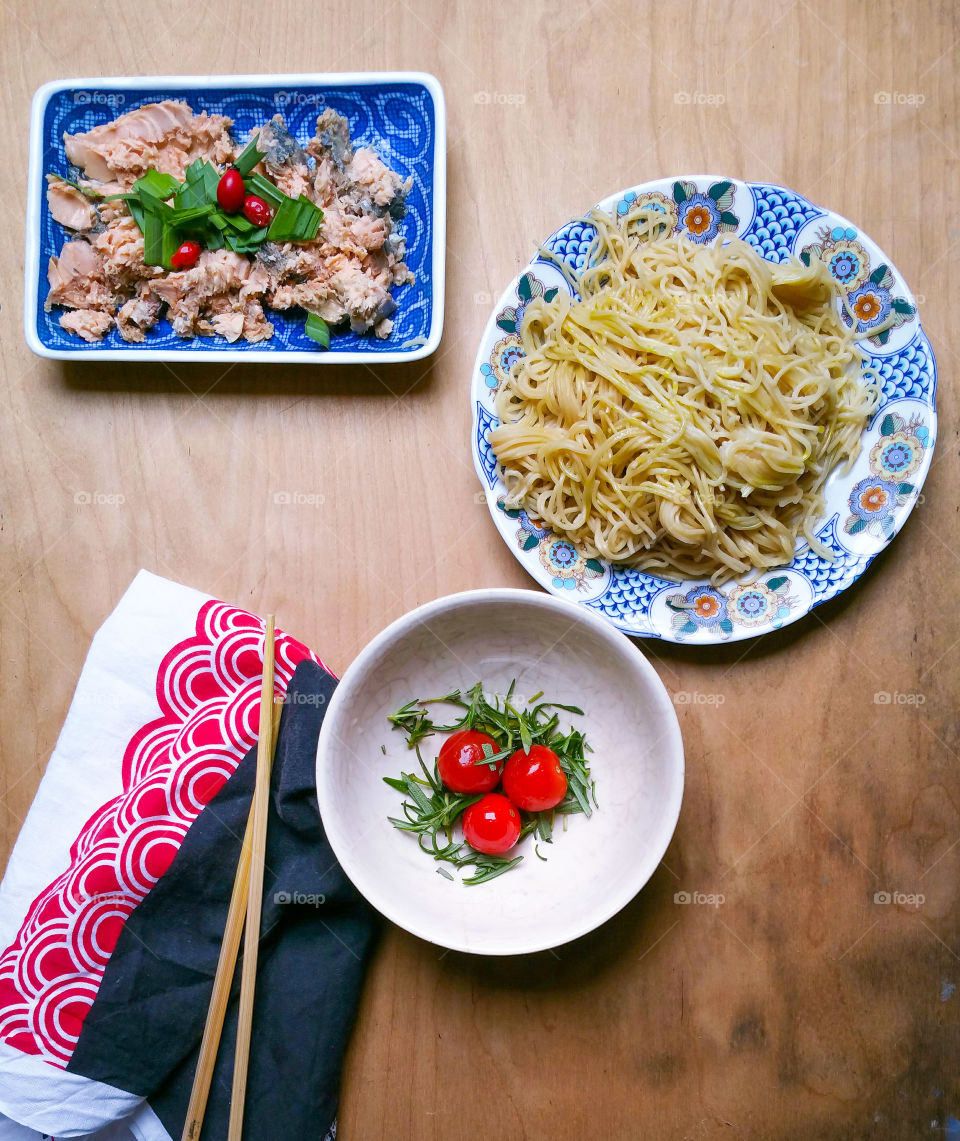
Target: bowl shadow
x: 628, y: 935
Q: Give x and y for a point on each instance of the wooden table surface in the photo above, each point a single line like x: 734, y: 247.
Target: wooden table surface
x: 798, y: 1007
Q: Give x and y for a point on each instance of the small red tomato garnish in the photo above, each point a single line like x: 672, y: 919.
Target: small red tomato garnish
x: 492, y: 825
x: 230, y: 191
x: 255, y: 210
x: 534, y: 781
x: 460, y: 762
x: 186, y: 255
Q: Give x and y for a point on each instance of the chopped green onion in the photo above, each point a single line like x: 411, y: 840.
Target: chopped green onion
x: 264, y: 188
x: 199, y: 187
x: 86, y: 191
x: 245, y: 243
x: 249, y: 156
x: 297, y: 220
x: 161, y: 186
x: 152, y: 226
x: 169, y: 244
x: 317, y: 330
x: 238, y: 222
x: 183, y: 219
x: 136, y: 209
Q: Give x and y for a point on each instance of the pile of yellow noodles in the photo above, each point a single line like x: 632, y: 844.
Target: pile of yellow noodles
x: 683, y: 415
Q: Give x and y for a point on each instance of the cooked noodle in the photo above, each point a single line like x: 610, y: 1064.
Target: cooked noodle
x: 684, y: 414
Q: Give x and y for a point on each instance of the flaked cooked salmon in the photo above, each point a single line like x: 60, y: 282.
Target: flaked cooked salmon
x: 165, y: 136
x: 345, y: 275
x: 68, y: 205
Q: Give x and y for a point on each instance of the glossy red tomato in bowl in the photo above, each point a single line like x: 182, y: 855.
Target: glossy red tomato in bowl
x: 534, y: 781
x: 461, y: 762
x: 492, y: 824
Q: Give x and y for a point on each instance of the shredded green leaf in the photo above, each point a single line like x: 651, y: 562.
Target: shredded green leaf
x: 317, y: 330
x: 160, y: 185
x: 249, y: 156
x: 296, y: 220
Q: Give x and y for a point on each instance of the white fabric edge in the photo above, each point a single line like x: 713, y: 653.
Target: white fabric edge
x: 83, y: 773
x: 84, y: 770
x: 35, y: 1094
x: 145, y: 1126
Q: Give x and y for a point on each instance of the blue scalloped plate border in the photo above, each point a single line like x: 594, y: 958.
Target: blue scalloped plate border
x: 865, y: 508
x: 400, y: 114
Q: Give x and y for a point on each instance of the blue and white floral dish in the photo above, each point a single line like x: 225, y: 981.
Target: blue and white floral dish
x: 400, y: 114
x: 864, y: 508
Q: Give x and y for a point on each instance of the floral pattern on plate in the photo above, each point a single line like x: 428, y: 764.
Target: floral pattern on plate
x: 747, y: 605
x: 508, y: 350
x: 697, y: 214
x: 896, y: 456
x: 568, y: 568
x: 871, y: 300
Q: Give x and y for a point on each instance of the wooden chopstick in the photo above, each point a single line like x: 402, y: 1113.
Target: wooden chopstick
x: 226, y: 965
x: 251, y: 938
x: 233, y: 930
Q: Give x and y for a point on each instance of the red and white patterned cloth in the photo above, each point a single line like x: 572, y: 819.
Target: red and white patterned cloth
x: 166, y: 707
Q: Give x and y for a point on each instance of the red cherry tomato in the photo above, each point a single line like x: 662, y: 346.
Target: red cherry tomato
x: 186, y: 255
x: 534, y: 781
x: 492, y: 825
x: 230, y: 191
x: 255, y: 210
x: 458, y: 762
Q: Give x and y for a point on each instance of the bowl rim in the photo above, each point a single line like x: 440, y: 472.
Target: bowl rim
x: 179, y: 83
x: 671, y: 740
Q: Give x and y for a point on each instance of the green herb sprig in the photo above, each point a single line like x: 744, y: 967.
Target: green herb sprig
x: 430, y: 811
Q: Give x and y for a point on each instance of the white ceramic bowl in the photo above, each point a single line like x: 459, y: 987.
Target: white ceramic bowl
x: 493, y: 636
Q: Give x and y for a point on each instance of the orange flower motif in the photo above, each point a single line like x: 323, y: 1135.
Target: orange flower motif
x: 867, y: 307
x: 873, y: 499
x: 706, y: 606
x: 698, y: 219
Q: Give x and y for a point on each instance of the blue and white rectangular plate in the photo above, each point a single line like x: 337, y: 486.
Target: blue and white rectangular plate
x: 400, y: 114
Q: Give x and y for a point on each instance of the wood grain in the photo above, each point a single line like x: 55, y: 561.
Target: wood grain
x: 798, y: 1008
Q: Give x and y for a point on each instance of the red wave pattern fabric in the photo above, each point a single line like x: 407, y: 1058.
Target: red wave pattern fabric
x: 208, y: 690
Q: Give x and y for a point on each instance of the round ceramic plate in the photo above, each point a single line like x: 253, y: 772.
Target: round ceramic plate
x: 598, y: 864
x: 864, y: 508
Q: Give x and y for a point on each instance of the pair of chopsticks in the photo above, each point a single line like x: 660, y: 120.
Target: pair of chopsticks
x: 245, y: 904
